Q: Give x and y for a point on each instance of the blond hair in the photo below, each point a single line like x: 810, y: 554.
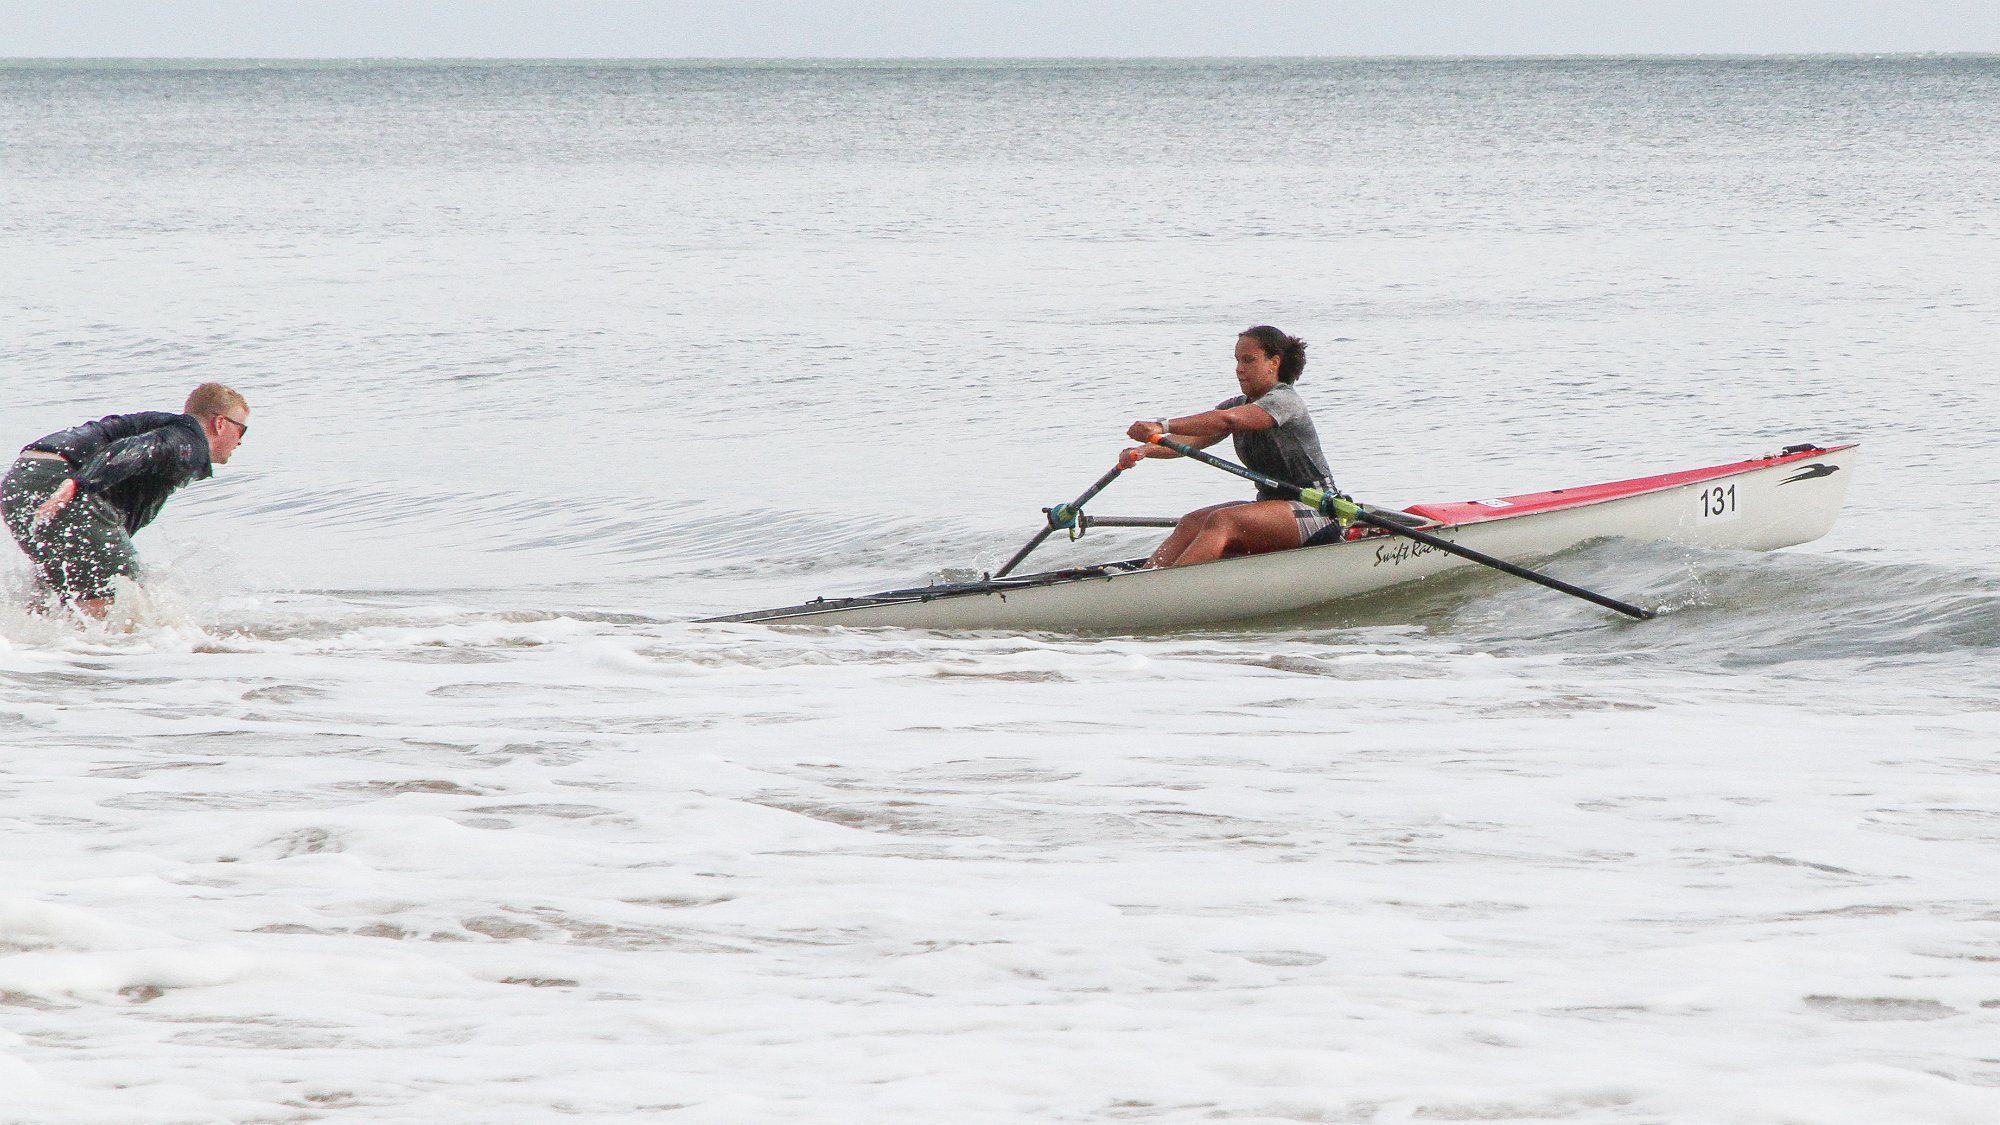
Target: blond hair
x: 213, y: 400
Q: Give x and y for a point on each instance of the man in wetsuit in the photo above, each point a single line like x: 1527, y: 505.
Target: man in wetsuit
x: 74, y: 498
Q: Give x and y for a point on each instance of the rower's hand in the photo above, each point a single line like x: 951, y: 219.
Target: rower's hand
x: 57, y: 501
x: 1145, y: 431
x: 1132, y: 456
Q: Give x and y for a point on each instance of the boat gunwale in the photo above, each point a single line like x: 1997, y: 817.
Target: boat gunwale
x: 1532, y: 504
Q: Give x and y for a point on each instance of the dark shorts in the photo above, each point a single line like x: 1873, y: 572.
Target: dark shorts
x: 78, y: 552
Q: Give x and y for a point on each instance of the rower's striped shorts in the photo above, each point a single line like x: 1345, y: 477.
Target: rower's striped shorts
x: 1311, y: 520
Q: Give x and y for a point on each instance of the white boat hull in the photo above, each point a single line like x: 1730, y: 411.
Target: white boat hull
x: 1758, y: 505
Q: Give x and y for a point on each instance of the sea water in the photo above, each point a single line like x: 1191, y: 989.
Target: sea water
x: 411, y: 788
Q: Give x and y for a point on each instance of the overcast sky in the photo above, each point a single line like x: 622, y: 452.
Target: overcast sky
x: 889, y: 28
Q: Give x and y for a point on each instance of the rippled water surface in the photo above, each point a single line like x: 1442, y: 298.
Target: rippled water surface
x: 411, y: 790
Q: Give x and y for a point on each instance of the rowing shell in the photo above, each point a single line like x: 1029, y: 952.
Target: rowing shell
x: 1760, y: 504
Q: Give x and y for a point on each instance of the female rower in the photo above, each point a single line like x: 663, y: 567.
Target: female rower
x: 1273, y: 434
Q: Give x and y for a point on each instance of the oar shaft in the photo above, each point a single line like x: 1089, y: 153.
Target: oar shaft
x: 1070, y: 509
x: 1335, y: 506
x: 1553, y: 583
x: 1310, y: 496
x: 1062, y: 515
x: 1026, y: 550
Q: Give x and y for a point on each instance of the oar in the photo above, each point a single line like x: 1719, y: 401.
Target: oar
x: 1060, y: 516
x: 1348, y: 511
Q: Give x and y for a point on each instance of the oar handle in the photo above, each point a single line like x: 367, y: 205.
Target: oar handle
x: 1347, y: 511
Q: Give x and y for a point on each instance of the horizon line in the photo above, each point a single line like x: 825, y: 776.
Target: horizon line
x: 1438, y: 55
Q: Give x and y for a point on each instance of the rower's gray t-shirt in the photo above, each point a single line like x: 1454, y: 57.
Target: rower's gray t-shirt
x: 1289, y: 451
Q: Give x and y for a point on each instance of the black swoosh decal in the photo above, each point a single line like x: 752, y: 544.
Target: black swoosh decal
x: 1811, y: 471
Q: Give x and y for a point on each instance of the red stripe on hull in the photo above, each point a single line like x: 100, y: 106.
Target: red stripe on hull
x: 1503, y: 507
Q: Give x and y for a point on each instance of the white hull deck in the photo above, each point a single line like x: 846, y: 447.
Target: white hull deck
x: 1760, y: 504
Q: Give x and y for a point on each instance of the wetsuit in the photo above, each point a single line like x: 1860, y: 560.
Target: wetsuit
x: 125, y: 466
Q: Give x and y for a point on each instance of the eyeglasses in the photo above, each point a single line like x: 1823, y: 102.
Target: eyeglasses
x: 242, y: 428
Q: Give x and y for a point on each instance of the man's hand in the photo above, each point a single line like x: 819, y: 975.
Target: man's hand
x: 57, y: 501
x: 1132, y: 456
x: 1146, y: 431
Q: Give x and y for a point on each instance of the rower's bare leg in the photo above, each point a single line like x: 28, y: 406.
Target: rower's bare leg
x: 1184, y: 533
x: 1243, y: 529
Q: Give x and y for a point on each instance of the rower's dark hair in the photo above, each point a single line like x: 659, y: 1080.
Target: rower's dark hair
x: 1290, y: 350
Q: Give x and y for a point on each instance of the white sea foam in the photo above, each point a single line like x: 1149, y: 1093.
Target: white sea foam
x: 462, y: 866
